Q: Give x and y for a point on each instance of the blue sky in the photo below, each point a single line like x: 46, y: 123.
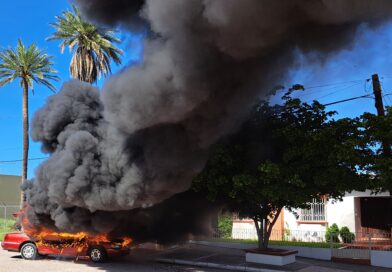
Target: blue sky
x: 342, y: 76
x: 26, y: 20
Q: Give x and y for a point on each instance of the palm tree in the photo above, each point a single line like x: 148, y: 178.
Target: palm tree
x: 27, y: 65
x: 92, y: 47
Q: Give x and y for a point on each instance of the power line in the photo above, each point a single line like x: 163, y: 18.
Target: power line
x: 334, y: 84
x: 338, y: 90
x: 348, y: 99
x: 335, y: 88
x: 31, y: 159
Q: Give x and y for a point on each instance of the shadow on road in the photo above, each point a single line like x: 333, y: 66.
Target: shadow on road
x: 16, y: 257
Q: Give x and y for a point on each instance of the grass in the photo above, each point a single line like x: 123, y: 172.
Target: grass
x: 6, y: 225
x: 278, y: 243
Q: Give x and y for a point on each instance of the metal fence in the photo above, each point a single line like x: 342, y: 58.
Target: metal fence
x: 365, y: 240
x: 7, y: 219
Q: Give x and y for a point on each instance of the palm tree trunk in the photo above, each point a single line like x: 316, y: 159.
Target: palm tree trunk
x: 25, y: 113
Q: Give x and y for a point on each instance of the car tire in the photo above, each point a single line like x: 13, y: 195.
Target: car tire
x: 97, y: 254
x: 29, y: 251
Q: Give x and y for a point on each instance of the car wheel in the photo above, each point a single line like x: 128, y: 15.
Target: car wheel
x: 97, y: 254
x: 29, y: 251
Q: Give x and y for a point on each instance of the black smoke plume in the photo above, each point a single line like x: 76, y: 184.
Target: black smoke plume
x: 121, y: 160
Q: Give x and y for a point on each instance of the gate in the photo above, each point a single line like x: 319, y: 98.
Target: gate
x: 357, y: 252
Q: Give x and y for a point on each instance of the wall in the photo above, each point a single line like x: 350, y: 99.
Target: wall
x: 303, y: 232
x: 307, y: 252
x: 244, y: 229
x: 341, y: 213
x: 381, y: 258
x: 10, y: 190
x: 377, y: 258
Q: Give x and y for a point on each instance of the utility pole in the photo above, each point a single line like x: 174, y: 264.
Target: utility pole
x: 377, y: 95
x: 380, y: 109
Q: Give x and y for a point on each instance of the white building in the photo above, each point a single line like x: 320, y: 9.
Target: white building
x: 361, y: 212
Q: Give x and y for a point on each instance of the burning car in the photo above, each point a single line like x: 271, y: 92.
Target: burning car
x: 80, y: 245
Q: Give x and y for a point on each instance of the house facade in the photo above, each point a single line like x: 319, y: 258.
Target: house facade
x: 362, y: 212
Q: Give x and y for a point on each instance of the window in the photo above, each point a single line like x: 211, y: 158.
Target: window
x: 316, y: 212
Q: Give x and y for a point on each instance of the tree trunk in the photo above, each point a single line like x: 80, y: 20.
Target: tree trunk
x: 25, y: 114
x: 262, y: 240
x: 265, y: 229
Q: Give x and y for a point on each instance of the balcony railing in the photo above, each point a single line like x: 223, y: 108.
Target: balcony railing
x: 316, y: 212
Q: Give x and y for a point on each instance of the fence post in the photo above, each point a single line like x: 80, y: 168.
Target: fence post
x: 370, y: 244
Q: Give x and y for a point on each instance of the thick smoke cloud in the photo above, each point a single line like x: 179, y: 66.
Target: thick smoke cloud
x: 121, y: 12
x: 128, y: 154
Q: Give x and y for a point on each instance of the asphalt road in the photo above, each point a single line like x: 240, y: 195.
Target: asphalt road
x: 139, y: 261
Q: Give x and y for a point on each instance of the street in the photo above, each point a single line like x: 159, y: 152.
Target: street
x: 12, y: 262
x: 142, y: 259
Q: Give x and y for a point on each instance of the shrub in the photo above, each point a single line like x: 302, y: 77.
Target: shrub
x: 346, y: 235
x: 332, y: 234
x: 225, y: 226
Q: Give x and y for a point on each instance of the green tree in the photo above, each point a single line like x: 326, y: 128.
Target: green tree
x: 284, y: 156
x: 377, y: 132
x: 92, y: 47
x: 29, y: 65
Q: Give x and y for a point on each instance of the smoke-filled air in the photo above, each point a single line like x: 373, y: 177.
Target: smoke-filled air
x: 122, y: 159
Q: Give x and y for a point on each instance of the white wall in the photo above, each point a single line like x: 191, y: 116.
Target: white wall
x: 341, y: 213
x: 303, y: 232
x: 244, y: 230
x: 377, y: 258
x: 367, y: 193
x: 381, y: 258
x: 338, y: 212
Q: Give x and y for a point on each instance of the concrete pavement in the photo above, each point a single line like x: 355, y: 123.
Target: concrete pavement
x: 234, y: 259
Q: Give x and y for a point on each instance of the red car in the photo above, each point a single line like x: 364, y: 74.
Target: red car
x: 30, y: 249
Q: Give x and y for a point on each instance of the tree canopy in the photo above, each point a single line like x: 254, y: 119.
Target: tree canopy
x: 285, y: 156
x: 27, y: 64
x: 92, y: 46
x: 377, y: 134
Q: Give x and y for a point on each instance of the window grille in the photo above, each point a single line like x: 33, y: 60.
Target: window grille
x: 316, y: 212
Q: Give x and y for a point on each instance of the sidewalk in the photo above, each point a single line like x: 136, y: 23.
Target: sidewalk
x: 234, y: 259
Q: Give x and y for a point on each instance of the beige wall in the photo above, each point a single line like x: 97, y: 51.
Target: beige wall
x: 10, y: 190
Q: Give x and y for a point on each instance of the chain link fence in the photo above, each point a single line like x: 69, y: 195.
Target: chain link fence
x: 7, y: 218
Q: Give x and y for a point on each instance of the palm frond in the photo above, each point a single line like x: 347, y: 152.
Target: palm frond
x: 92, y: 47
x: 29, y: 64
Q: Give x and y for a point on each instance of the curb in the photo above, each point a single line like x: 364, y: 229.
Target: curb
x: 221, y: 266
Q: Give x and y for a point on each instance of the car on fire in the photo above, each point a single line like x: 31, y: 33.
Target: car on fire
x: 79, y: 247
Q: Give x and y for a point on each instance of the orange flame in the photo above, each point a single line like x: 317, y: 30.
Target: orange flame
x: 80, y: 240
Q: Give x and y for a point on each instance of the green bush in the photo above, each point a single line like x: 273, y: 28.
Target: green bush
x: 225, y: 226
x: 6, y: 225
x: 332, y: 234
x: 346, y: 235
